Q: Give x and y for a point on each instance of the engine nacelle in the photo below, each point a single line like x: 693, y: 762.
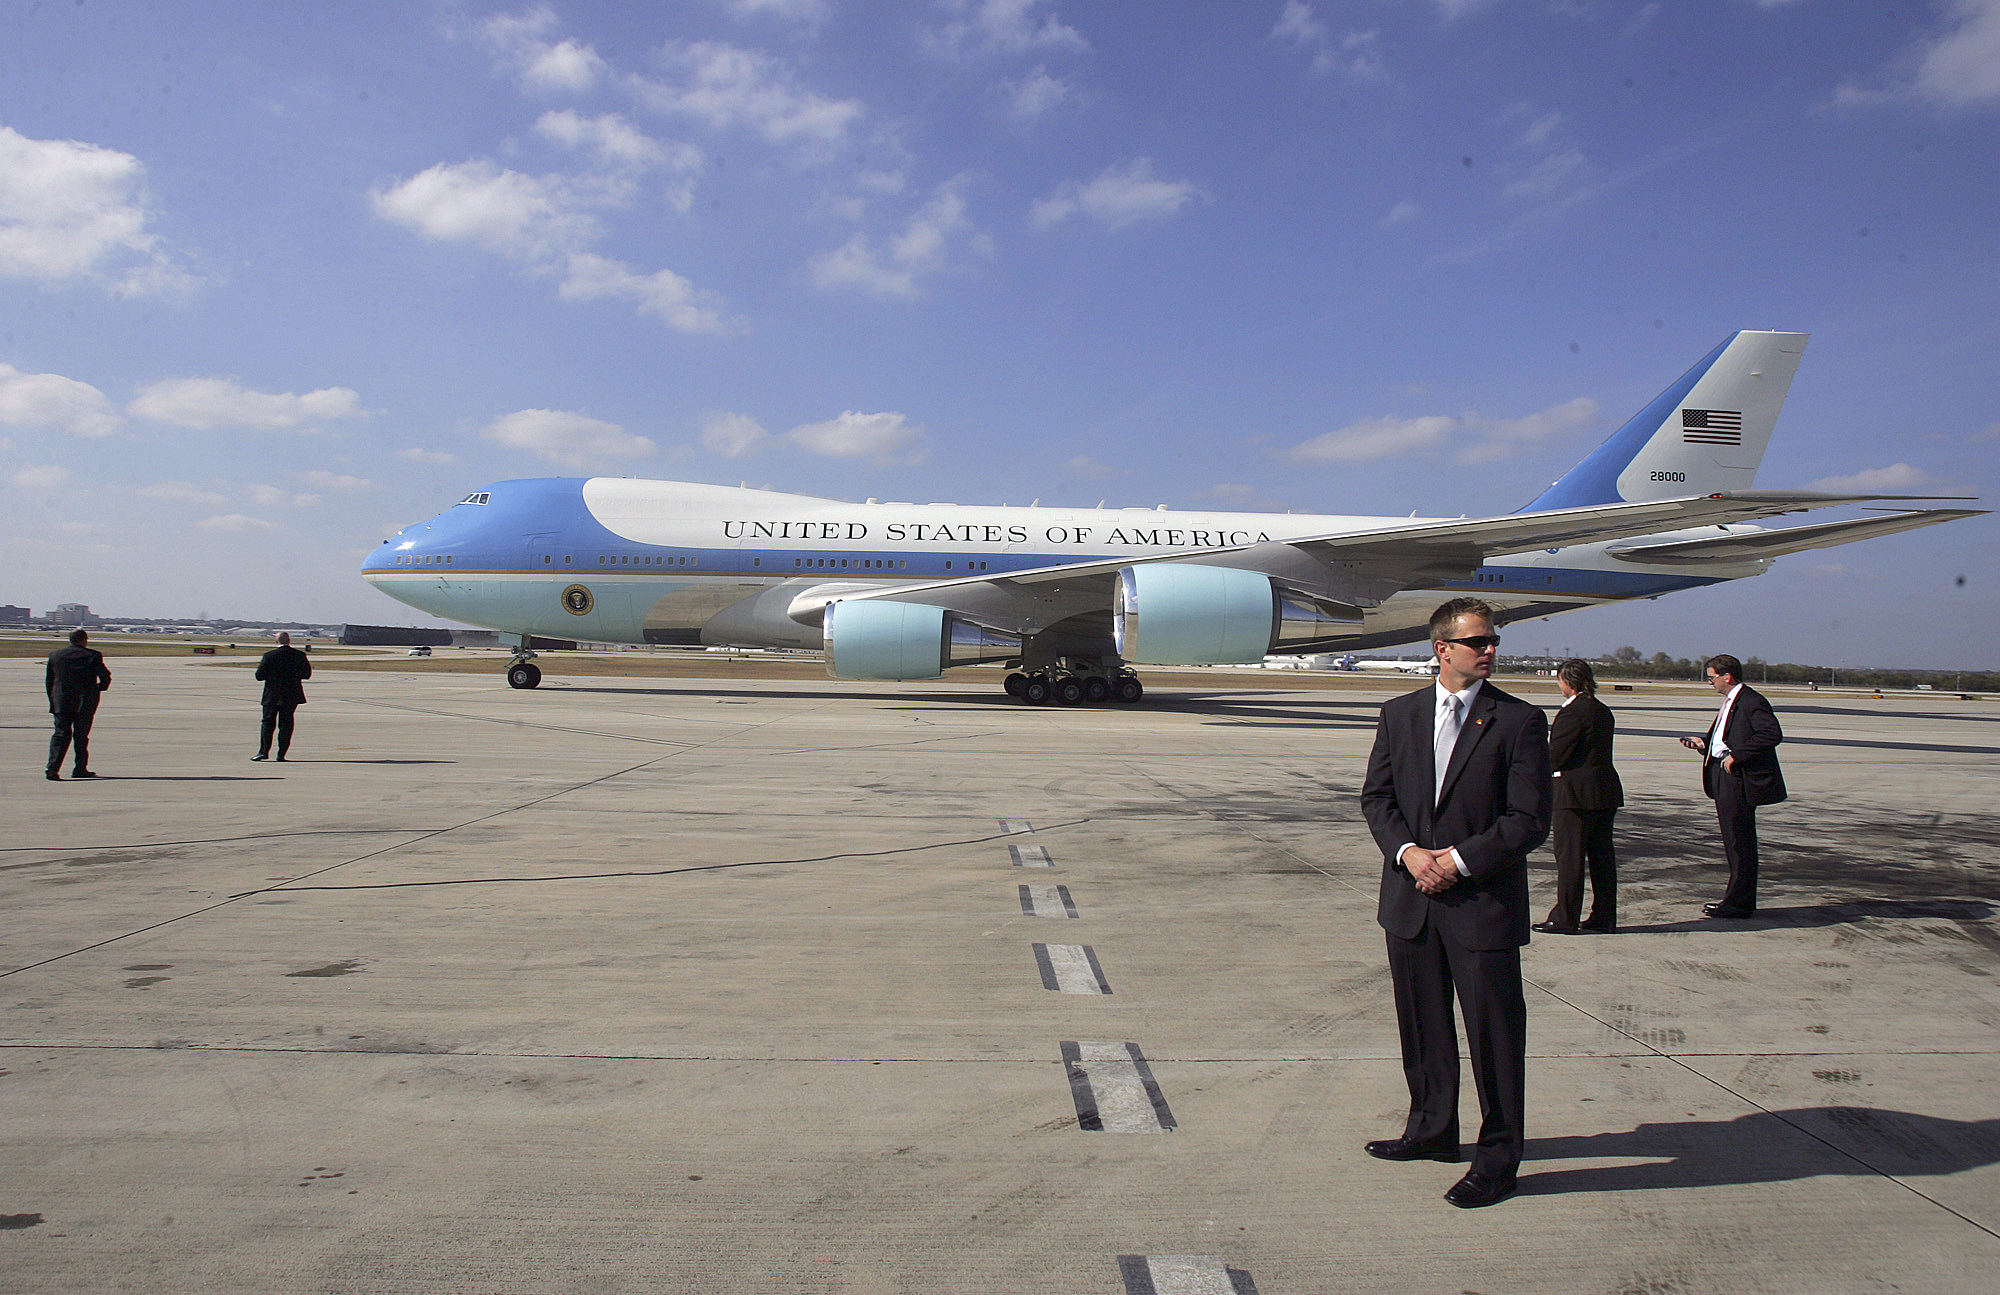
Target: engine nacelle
x: 876, y: 638
x: 1171, y: 613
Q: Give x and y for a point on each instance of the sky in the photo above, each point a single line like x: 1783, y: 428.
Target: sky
x: 278, y: 279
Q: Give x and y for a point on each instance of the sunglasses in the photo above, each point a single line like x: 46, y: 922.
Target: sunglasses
x: 1477, y: 642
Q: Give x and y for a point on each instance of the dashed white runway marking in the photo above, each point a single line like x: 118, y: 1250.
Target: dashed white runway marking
x: 1182, y: 1275
x: 1015, y: 826
x: 1031, y: 856
x: 1071, y: 969
x: 1114, y: 1089
x: 1047, y: 901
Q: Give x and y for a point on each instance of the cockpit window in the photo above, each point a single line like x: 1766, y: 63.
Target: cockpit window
x: 477, y: 497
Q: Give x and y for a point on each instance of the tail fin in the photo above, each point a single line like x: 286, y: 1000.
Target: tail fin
x: 1704, y: 434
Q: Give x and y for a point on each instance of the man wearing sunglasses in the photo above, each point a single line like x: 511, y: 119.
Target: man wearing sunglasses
x: 1457, y: 794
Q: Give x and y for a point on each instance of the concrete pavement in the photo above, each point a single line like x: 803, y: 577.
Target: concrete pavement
x: 678, y: 985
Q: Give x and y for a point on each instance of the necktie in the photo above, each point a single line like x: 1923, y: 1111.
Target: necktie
x: 1447, y: 738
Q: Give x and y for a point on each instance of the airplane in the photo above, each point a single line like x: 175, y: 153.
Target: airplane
x: 1072, y: 599
x: 1426, y: 666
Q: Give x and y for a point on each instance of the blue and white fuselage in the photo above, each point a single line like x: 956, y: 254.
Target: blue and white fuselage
x: 1076, y: 596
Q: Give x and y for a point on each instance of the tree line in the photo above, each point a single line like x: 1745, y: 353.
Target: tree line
x: 1630, y: 663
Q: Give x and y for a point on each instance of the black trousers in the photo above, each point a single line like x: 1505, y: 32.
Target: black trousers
x: 73, y: 726
x: 1582, y: 839
x: 1738, y: 819
x: 1427, y: 972
x: 276, y: 718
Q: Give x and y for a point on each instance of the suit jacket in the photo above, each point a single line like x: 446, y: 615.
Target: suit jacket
x: 1752, y: 737
x: 283, y: 670
x: 75, y: 676
x: 1580, y: 753
x: 1494, y: 809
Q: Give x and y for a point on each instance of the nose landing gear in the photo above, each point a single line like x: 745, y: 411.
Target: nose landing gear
x: 521, y: 672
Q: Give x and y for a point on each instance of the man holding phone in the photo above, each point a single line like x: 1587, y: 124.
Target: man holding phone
x: 1739, y: 771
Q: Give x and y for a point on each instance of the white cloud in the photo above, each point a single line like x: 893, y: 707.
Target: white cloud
x: 1547, y: 177
x: 805, y: 13
x: 547, y: 223
x: 573, y: 440
x: 732, y: 436
x: 1957, y: 68
x: 51, y: 400
x: 324, y: 480
x: 1894, y: 479
x: 1003, y: 27
x: 1036, y: 94
x: 70, y: 210
x: 1356, y: 53
x: 611, y: 139
x: 1119, y: 197
x: 662, y: 293
x: 42, y: 476
x: 276, y: 497
x: 182, y: 492
x: 520, y: 42
x: 1373, y: 439
x: 524, y: 218
x: 414, y: 455
x: 212, y: 404
x: 1472, y: 437
x: 1497, y: 438
x: 1403, y: 212
x: 235, y: 524
x: 1961, y: 68
x: 728, y: 87
x: 929, y: 243
x: 882, y: 437
x: 1085, y: 468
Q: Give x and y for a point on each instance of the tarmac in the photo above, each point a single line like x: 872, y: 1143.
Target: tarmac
x: 648, y: 985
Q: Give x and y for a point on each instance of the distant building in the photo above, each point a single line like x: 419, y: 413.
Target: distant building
x: 12, y: 615
x: 71, y: 614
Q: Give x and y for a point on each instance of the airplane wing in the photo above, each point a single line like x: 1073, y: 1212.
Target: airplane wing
x: 1354, y: 567
x: 1794, y: 539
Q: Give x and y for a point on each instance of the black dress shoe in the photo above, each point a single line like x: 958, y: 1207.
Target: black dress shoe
x: 1598, y: 928
x: 51, y: 775
x: 1550, y: 928
x: 81, y: 773
x: 259, y: 756
x: 1477, y: 1189
x: 1441, y: 1150
x: 1727, y: 913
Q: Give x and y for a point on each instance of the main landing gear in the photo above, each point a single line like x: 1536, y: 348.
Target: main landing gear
x: 1067, y: 688
x: 522, y: 672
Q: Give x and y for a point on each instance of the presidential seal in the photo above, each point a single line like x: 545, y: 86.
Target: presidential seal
x: 576, y: 600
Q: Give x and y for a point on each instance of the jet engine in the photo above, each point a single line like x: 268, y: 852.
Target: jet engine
x: 1178, y: 614
x: 880, y: 639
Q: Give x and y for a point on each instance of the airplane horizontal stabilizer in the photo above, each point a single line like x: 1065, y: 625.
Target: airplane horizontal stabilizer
x: 1793, y: 539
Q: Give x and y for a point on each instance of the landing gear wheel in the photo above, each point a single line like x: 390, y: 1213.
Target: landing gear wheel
x: 1035, y: 690
x: 1014, y: 683
x: 1128, y: 689
x: 524, y: 676
x: 1095, y: 690
x: 1069, y: 693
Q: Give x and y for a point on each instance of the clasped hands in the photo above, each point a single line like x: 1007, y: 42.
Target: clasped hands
x: 1432, y: 870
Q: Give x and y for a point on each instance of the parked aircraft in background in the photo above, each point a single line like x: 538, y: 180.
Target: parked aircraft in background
x: 1074, y: 598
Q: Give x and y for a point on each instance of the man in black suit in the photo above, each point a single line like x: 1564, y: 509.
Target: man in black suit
x: 1457, y: 795
x: 284, y: 670
x: 1587, y: 798
x: 1739, y: 771
x: 76, y: 677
